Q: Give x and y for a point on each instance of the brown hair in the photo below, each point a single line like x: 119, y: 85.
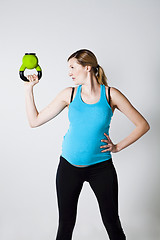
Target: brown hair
x: 87, y: 58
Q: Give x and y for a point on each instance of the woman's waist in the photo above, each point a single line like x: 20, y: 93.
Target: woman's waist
x: 84, y: 144
x: 84, y: 158
x: 86, y: 134
x: 84, y: 153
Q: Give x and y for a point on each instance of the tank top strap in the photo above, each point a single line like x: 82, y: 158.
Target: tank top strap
x: 103, y: 92
x: 78, y: 95
x: 78, y: 89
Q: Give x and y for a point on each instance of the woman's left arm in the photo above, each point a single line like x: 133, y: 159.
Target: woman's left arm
x: 120, y: 102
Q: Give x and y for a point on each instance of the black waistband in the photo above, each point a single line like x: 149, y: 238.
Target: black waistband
x: 106, y: 162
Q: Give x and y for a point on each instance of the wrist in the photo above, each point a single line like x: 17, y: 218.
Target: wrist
x: 117, y: 147
x: 28, y: 88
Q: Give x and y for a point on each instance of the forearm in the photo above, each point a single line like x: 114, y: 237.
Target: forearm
x: 31, y: 109
x: 138, y: 132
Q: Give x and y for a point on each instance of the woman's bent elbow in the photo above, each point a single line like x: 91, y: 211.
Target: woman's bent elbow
x: 36, y: 124
x: 146, y: 127
x: 33, y: 125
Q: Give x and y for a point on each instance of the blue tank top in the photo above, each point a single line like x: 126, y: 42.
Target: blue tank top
x: 88, y: 123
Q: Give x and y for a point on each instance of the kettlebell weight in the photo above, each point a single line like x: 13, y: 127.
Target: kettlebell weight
x: 30, y: 61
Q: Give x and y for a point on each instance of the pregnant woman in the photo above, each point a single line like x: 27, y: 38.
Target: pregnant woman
x: 87, y: 148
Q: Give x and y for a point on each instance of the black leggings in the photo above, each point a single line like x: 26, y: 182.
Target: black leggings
x: 102, y: 178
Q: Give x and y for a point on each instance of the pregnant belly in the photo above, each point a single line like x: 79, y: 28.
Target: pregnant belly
x: 83, y: 149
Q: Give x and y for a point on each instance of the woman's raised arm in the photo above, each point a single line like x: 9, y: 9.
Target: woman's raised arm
x: 36, y: 118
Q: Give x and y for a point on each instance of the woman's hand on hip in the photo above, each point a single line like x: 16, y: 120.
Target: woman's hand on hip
x: 110, y: 145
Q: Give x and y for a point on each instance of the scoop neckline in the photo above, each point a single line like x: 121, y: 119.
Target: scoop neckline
x: 90, y: 104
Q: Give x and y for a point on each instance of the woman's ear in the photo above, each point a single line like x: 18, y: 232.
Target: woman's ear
x: 88, y: 68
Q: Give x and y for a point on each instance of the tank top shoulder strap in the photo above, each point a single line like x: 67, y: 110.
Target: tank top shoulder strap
x: 72, y: 94
x: 77, y: 92
x: 109, y: 98
x: 104, y: 93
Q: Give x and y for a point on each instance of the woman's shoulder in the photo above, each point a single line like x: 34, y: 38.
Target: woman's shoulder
x: 113, y: 89
x: 114, y: 92
x: 116, y: 95
x: 67, y: 93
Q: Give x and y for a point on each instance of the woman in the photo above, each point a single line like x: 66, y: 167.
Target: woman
x: 87, y: 147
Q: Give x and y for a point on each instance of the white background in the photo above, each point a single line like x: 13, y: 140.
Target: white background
x: 124, y: 36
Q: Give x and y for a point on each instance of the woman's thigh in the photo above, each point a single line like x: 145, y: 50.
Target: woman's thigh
x: 68, y: 185
x: 104, y: 184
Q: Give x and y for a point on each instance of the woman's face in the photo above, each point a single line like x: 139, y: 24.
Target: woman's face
x: 77, y: 72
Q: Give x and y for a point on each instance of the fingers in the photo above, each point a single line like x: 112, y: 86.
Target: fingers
x: 107, y: 137
x: 111, y: 147
x: 32, y: 78
x: 105, y: 140
x: 109, y: 144
x: 108, y: 147
x: 106, y: 150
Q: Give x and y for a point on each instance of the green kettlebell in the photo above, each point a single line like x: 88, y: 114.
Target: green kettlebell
x: 29, y: 61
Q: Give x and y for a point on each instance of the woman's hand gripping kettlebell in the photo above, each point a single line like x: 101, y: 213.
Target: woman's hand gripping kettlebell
x: 33, y: 80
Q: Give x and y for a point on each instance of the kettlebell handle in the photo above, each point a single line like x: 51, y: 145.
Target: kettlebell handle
x: 21, y: 73
x: 29, y: 61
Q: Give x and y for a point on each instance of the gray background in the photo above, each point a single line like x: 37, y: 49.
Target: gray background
x: 125, y: 36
